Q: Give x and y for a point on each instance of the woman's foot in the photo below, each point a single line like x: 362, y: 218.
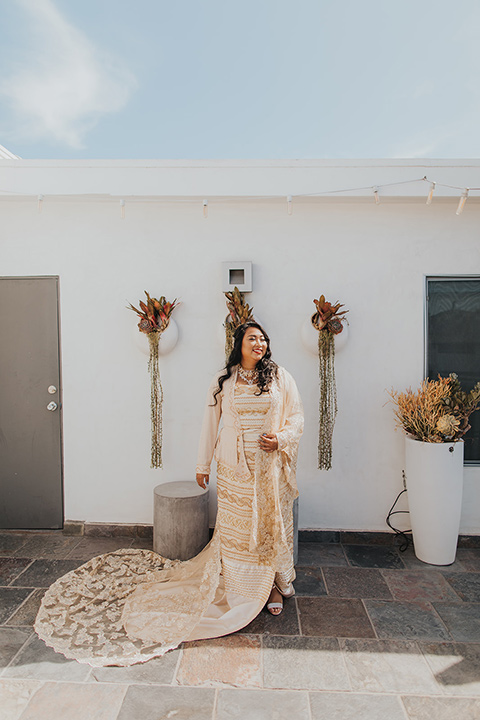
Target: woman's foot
x: 275, y: 602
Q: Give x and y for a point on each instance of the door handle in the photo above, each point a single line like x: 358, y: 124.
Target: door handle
x: 52, y: 406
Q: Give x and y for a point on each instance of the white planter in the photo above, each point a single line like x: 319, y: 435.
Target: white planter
x: 309, y: 337
x: 168, y: 339
x: 434, y: 477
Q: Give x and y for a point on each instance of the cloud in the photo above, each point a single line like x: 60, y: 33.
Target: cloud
x: 61, y: 87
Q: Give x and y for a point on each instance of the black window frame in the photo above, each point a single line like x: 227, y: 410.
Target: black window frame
x: 443, y: 278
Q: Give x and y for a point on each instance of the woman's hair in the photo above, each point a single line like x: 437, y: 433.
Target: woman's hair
x: 265, y: 367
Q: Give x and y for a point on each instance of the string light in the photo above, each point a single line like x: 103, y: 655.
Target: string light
x: 5, y: 193
x: 430, y: 194
x: 462, y: 202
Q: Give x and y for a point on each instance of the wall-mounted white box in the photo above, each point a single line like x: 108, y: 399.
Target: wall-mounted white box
x: 237, y: 273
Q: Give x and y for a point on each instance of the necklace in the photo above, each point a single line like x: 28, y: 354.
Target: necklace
x: 250, y: 376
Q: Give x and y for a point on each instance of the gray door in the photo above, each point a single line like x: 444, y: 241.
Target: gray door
x: 31, y: 493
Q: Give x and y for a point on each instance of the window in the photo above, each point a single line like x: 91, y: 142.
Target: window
x: 453, y: 340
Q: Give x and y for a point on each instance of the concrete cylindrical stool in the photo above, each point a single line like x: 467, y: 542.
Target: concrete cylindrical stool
x: 180, y: 520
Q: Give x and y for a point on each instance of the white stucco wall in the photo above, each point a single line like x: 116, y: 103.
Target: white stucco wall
x: 372, y: 258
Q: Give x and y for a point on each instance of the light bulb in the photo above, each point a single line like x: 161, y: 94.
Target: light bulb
x: 461, y: 203
x: 430, y: 194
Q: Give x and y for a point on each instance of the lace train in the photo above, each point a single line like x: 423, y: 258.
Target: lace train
x: 84, y: 614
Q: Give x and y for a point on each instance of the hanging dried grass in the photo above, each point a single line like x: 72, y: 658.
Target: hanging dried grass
x: 229, y: 333
x: 154, y: 319
x: 328, y: 320
x: 328, y: 397
x: 156, y: 400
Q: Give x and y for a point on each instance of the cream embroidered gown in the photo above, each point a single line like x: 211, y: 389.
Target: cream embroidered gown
x: 242, y: 571
x: 132, y: 605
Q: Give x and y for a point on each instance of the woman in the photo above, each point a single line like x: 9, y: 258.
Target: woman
x: 256, y: 454
x: 132, y: 605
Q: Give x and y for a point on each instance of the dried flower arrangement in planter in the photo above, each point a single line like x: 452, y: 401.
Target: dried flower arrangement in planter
x: 328, y: 320
x: 438, y: 412
x: 154, y: 319
x: 239, y: 312
x: 435, y: 418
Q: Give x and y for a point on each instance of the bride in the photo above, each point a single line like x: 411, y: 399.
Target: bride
x: 131, y: 605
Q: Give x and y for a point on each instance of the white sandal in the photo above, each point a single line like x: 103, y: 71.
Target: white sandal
x: 274, y: 606
x: 278, y: 605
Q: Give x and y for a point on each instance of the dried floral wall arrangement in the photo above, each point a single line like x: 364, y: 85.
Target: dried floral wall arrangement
x: 328, y: 320
x: 154, y: 319
x: 438, y: 412
x: 239, y: 312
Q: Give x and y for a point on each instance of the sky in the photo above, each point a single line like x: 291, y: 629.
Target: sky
x: 240, y: 79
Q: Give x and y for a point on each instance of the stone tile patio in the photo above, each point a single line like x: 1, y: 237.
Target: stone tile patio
x: 372, y: 633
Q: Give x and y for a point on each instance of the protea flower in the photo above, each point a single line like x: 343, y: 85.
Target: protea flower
x: 335, y: 326
x: 146, y: 326
x: 155, y: 314
x: 447, y: 425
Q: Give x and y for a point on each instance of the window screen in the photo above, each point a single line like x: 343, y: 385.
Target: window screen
x: 453, y: 341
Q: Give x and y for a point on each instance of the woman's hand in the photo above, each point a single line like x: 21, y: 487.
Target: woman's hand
x: 268, y: 442
x: 202, y: 480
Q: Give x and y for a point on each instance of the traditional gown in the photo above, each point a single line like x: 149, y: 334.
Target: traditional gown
x: 131, y: 605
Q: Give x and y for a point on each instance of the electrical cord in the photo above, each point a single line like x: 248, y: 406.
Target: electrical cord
x: 401, y: 533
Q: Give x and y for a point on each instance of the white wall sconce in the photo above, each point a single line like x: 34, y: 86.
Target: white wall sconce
x: 237, y: 273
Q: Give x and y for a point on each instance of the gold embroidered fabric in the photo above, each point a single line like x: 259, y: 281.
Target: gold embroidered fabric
x: 245, y: 570
x: 255, y: 489
x: 284, y: 418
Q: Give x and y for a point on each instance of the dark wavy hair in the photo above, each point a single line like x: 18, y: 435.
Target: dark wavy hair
x: 266, y: 368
